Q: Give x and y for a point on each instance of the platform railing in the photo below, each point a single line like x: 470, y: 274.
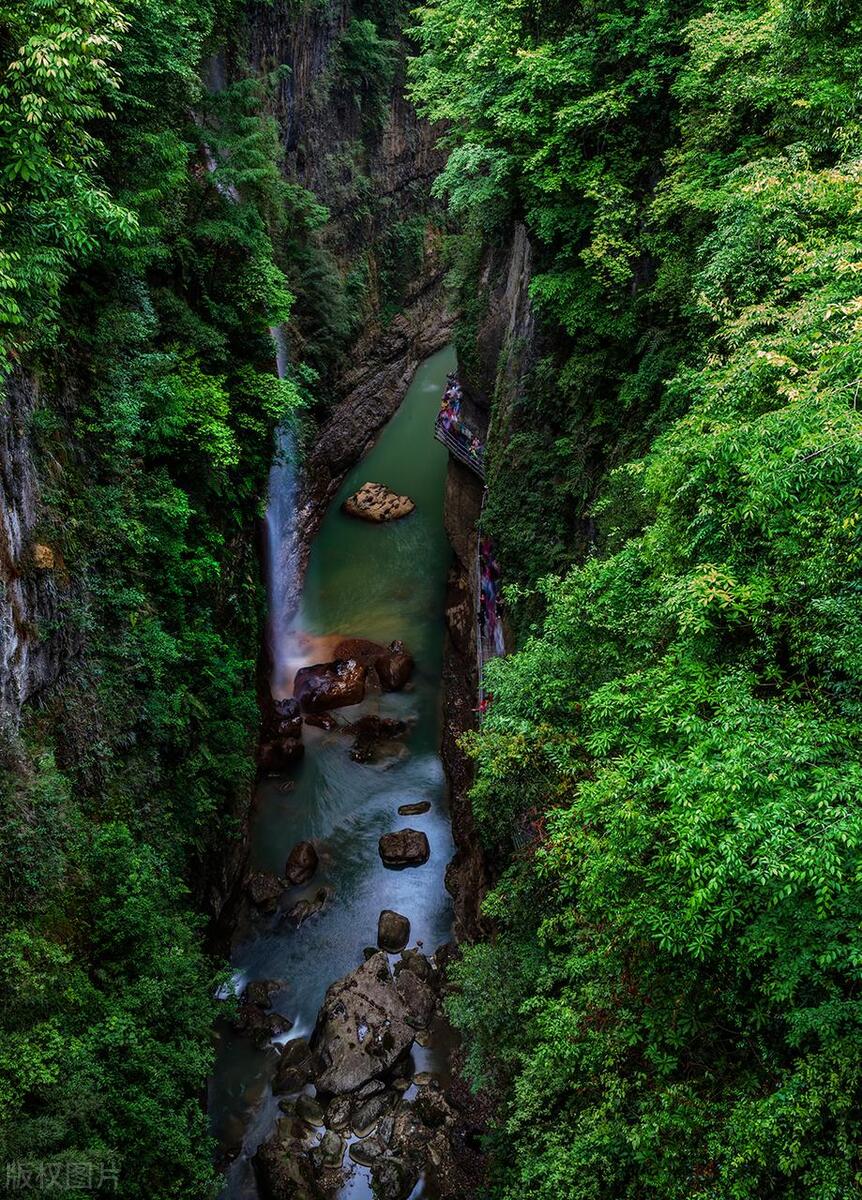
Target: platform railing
x: 457, y: 446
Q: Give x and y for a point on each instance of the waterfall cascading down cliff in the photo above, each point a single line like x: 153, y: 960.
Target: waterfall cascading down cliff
x: 282, y: 549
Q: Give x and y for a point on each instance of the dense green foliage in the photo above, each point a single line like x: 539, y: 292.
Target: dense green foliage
x: 669, y: 1006
x: 142, y: 224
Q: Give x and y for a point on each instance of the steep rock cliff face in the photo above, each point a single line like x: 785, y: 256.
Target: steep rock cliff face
x: 506, y: 342
x: 504, y: 350
x: 374, y: 174
x: 34, y: 641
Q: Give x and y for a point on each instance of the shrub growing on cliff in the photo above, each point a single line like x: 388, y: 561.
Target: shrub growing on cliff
x: 365, y: 63
x: 669, y: 1006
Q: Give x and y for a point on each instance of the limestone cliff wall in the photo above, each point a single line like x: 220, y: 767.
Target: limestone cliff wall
x: 35, y: 641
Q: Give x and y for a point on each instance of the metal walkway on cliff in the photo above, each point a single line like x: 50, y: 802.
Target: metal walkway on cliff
x: 461, y: 441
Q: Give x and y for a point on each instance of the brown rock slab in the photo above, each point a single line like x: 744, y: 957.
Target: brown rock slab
x: 414, y: 810
x: 281, y: 719
x: 361, y: 1029
x: 378, y: 503
x: 417, y: 997
x: 324, y: 721
x: 395, y: 667
x: 362, y: 649
x: 404, y: 848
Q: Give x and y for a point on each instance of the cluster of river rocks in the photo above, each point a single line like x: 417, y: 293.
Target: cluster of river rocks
x: 319, y: 689
x: 349, y: 1095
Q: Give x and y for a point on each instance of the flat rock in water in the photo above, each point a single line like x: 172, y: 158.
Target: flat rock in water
x: 361, y: 1028
x: 414, y: 810
x: 404, y: 848
x: 376, y: 502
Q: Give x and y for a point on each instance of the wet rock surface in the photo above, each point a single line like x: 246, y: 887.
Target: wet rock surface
x: 301, y: 864
x: 417, y: 997
x: 300, y: 912
x: 359, y: 1064
x: 404, y: 848
x: 284, y: 1167
x: 296, y: 1067
x: 395, y: 667
x: 361, y: 1029
x: 393, y: 931
x: 282, y: 718
x: 362, y: 649
x: 256, y: 1020
x: 330, y: 685
x: 414, y: 810
x: 378, y: 503
x: 325, y: 721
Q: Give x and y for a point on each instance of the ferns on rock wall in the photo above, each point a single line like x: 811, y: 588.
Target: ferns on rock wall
x: 141, y: 224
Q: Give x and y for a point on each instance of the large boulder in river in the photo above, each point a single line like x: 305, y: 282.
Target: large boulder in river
x: 361, y: 1028
x: 393, y: 663
x: 376, y: 502
x: 362, y: 649
x: 404, y: 848
x: 301, y: 864
x: 330, y: 685
x: 395, y: 667
x: 417, y: 997
x: 393, y: 931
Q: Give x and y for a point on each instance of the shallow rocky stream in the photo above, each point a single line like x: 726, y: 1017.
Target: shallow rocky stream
x: 380, y: 582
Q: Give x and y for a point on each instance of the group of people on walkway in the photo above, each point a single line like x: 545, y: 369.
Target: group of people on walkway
x: 451, y: 420
x: 490, y: 599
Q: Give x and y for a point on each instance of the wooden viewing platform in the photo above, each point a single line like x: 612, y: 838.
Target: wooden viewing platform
x: 457, y: 445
